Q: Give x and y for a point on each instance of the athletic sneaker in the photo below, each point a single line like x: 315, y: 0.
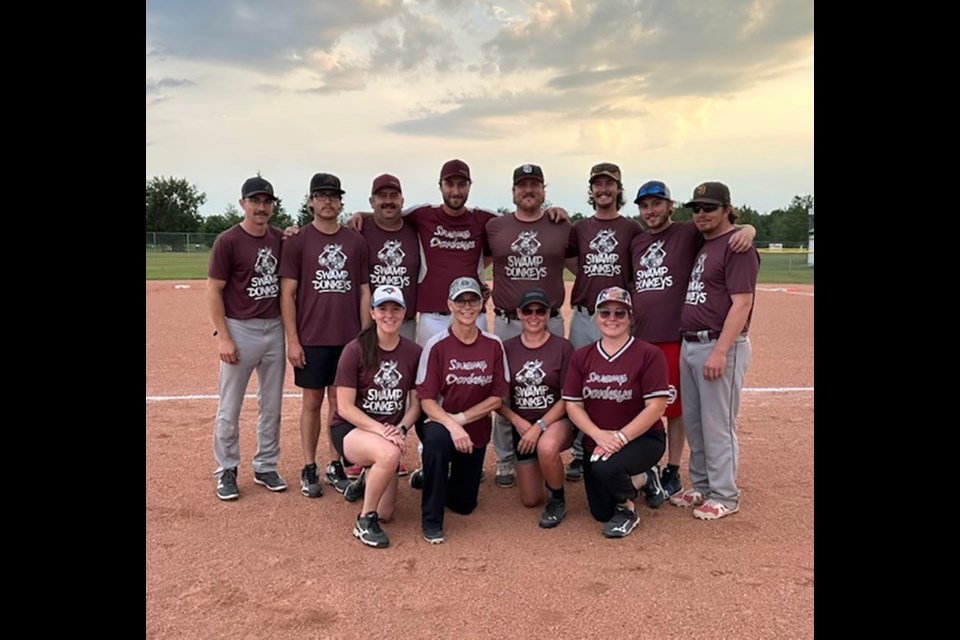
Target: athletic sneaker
x: 353, y: 471
x: 575, y: 470
x: 505, y: 477
x: 714, y: 510
x: 367, y: 530
x: 336, y: 476
x: 553, y: 513
x: 416, y: 479
x: 670, y: 480
x: 622, y: 523
x: 227, y: 485
x: 309, y: 482
x: 433, y: 536
x: 653, y: 490
x: 271, y: 480
x: 688, y: 498
x: 355, y: 489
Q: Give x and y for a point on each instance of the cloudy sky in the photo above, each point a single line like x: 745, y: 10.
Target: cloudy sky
x: 678, y: 90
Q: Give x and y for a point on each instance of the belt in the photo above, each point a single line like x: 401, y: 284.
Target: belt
x: 699, y: 336
x: 512, y: 315
x: 583, y: 309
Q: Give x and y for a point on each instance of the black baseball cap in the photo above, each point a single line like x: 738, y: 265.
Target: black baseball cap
x: 527, y: 171
x: 325, y: 182
x: 253, y: 186
x: 533, y: 296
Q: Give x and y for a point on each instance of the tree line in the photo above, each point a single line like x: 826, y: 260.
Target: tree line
x: 173, y: 205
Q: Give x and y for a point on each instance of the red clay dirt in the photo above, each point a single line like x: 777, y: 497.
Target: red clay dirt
x: 283, y: 566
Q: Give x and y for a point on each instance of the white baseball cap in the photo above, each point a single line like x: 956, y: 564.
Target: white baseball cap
x: 387, y: 293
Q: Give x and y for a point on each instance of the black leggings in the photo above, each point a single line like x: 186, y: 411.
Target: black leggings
x: 608, y: 483
x: 458, y: 491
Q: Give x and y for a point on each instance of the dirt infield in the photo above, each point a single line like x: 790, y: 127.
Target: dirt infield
x: 283, y: 566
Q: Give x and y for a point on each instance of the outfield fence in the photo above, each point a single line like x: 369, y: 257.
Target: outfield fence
x: 158, y: 242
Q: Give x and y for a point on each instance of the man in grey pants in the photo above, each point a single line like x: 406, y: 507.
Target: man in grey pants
x: 715, y: 354
x: 243, y: 290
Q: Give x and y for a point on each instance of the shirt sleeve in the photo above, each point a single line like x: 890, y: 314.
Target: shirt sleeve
x: 741, y: 271
x: 428, y: 373
x: 348, y: 368
x: 501, y: 372
x: 653, y: 381
x: 290, y: 258
x: 218, y: 267
x: 573, y: 382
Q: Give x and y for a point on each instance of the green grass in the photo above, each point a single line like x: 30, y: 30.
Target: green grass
x: 177, y: 266
x: 775, y: 268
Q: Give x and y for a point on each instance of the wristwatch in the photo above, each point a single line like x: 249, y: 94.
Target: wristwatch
x: 543, y: 425
x: 403, y: 428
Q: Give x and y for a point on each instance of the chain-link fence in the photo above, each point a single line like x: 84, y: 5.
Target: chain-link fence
x: 179, y: 242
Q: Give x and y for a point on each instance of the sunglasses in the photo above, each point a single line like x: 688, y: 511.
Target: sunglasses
x: 619, y: 314
x: 529, y: 311
x: 653, y: 190
x: 706, y: 208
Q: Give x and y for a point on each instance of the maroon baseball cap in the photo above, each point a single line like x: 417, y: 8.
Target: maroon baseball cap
x: 454, y: 168
x: 385, y: 181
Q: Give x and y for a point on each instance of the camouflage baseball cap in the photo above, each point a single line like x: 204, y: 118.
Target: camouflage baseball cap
x: 614, y: 294
x: 463, y: 285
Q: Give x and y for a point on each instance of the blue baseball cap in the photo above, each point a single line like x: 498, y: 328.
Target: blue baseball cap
x: 653, y: 188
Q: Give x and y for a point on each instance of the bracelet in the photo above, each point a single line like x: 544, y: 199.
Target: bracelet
x: 543, y: 425
x: 622, y: 437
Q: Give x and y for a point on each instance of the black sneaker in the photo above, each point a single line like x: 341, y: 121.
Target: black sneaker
x: 227, y: 485
x: 621, y: 524
x: 575, y: 470
x: 670, y: 480
x: 433, y: 536
x: 355, y: 489
x: 336, y: 476
x: 653, y: 490
x: 309, y: 482
x: 553, y: 513
x: 504, y: 477
x: 416, y: 479
x: 367, y: 530
x: 271, y: 480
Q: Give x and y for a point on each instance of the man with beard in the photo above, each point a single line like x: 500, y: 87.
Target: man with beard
x: 662, y: 258
x: 603, y: 245
x: 528, y: 251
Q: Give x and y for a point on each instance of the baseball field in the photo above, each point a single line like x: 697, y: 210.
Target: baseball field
x: 282, y: 566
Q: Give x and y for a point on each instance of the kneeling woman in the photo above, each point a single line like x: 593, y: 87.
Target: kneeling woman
x: 616, y: 390
x: 538, y: 360
x: 375, y: 405
x: 461, y: 379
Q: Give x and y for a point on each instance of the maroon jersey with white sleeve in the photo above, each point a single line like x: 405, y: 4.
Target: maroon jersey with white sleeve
x: 458, y: 376
x: 248, y: 264
x: 661, y: 270
x: 329, y: 270
x: 718, y: 272
x: 528, y: 254
x: 450, y: 247
x: 604, y: 250
x: 381, y: 393
x: 536, y: 375
x: 614, y: 388
x: 394, y: 260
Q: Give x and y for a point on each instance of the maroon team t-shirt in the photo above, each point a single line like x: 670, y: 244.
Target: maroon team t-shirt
x: 461, y: 375
x: 536, y: 375
x: 718, y: 272
x: 248, y: 264
x: 382, y: 393
x: 661, y: 269
x: 604, y: 250
x: 526, y: 255
x: 329, y: 270
x: 451, y: 247
x: 394, y: 260
x: 614, y: 388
